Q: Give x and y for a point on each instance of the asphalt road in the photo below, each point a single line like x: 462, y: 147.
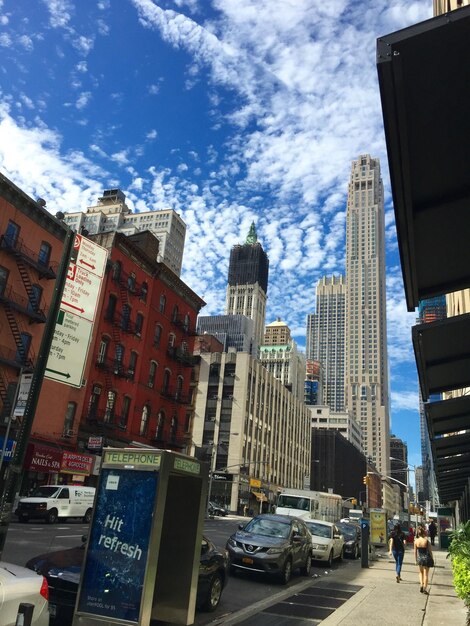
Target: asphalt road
x: 27, y: 540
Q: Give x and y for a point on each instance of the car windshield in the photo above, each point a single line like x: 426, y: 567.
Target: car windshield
x: 321, y: 530
x: 293, y: 502
x: 349, y: 532
x: 268, y: 528
x: 45, y: 492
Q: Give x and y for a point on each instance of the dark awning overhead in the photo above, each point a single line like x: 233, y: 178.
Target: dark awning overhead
x: 448, y: 416
x: 425, y: 92
x: 453, y: 446
x: 442, y: 351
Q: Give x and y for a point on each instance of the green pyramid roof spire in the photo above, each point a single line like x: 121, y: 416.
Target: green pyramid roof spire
x: 252, y: 236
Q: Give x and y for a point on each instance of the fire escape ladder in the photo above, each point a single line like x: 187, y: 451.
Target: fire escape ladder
x: 4, y: 383
x: 15, y: 331
x: 25, y: 277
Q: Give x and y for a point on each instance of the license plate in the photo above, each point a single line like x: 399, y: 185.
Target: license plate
x: 52, y: 610
x: 247, y: 560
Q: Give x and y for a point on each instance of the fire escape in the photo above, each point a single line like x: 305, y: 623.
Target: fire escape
x: 22, y: 308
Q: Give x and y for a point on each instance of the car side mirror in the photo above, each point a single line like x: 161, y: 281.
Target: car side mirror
x: 336, y: 536
x: 241, y: 526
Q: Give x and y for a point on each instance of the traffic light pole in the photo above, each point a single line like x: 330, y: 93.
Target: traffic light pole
x: 14, y: 474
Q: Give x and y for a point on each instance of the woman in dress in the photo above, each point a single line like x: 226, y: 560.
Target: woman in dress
x: 423, y: 556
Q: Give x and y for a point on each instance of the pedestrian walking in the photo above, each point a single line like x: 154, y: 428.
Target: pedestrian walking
x: 396, y: 546
x: 432, y: 531
x: 424, y: 558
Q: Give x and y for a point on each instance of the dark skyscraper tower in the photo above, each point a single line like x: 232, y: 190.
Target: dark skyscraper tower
x: 248, y: 283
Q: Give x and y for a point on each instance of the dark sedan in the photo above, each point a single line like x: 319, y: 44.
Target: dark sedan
x: 62, y: 571
x: 272, y: 544
x: 352, y: 539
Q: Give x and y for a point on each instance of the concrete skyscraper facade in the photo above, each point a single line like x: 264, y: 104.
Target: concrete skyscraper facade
x: 248, y: 283
x: 366, y: 367
x: 326, y: 338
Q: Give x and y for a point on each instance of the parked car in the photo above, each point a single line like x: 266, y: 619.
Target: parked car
x: 327, y: 541
x: 51, y: 502
x: 62, y: 571
x: 352, y: 539
x: 272, y: 544
x: 17, y: 585
x: 215, y: 509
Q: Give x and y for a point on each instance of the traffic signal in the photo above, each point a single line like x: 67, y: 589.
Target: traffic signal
x: 354, y: 502
x: 366, y: 480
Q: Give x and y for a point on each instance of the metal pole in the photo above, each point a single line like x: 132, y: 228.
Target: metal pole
x: 13, y: 479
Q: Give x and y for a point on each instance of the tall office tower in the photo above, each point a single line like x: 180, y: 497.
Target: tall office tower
x: 326, y: 328
x: 248, y: 283
x: 367, y: 392
x: 112, y: 213
x: 430, y: 310
x: 233, y: 331
x: 399, y: 466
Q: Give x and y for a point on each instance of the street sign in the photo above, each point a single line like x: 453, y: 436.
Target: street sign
x: 69, y: 348
x: 73, y: 329
x: 25, y: 386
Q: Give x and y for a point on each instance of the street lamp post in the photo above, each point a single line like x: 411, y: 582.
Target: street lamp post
x: 413, y: 469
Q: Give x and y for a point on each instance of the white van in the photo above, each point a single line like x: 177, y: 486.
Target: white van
x: 53, y: 502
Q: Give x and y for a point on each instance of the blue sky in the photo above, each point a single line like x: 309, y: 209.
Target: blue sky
x: 228, y: 111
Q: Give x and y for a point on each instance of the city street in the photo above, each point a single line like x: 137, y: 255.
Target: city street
x: 27, y: 540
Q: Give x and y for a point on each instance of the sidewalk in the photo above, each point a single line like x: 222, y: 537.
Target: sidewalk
x: 384, y: 600
x: 379, y: 598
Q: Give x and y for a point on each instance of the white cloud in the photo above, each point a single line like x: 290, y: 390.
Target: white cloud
x: 83, y: 100
x: 60, y: 12
x: 152, y: 134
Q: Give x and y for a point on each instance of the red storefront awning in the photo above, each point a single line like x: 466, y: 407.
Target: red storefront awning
x: 43, y: 459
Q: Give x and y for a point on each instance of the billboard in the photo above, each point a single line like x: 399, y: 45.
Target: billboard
x: 378, y: 527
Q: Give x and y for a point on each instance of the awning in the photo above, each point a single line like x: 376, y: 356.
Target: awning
x: 448, y: 416
x: 442, y: 351
x: 425, y: 93
x: 260, y: 496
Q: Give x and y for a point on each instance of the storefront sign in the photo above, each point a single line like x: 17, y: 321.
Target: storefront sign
x: 114, y: 571
x: 254, y: 482
x: 132, y: 458
x: 43, y: 459
x: 73, y: 463
x: 95, y: 443
x: 228, y: 478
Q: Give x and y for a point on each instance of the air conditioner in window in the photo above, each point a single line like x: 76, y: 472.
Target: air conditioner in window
x: 68, y: 432
x: 150, y: 385
x: 96, y: 390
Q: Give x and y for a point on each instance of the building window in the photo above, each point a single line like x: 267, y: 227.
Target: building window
x: 131, y: 282
x: 126, y: 405
x: 143, y: 292
x: 126, y: 315
x: 144, y: 420
x: 12, y: 234
x: 117, y: 270
x: 157, y: 335
x: 34, y: 298
x: 166, y: 381
x: 162, y: 303
x: 174, y: 315
x: 44, y: 253
x: 132, y: 364
x: 110, y: 407
x: 152, y: 374
x: 179, y: 387
x: 160, y: 425
x: 69, y: 419
x: 171, y: 340
x: 103, y: 350
x: 139, y: 322
x: 93, y: 402
x: 23, y: 350
x: 174, y: 429
x: 186, y: 322
x: 3, y: 279
x: 111, y: 308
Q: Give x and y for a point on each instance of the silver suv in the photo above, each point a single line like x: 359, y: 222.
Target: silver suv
x: 272, y: 544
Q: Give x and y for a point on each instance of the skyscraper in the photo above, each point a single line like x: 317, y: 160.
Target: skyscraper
x: 325, y: 338
x: 366, y: 375
x: 248, y: 283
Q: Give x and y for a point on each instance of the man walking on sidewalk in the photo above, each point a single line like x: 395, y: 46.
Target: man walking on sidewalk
x: 432, y: 531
